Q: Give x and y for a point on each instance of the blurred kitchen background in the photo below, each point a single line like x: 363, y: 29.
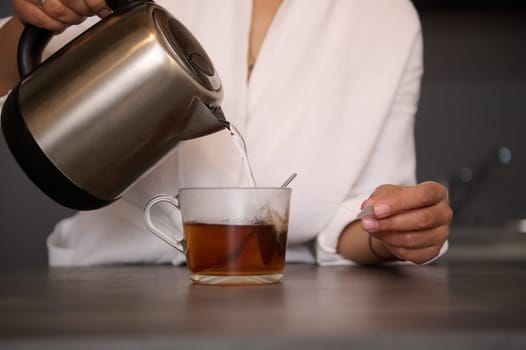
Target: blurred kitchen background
x: 468, y: 132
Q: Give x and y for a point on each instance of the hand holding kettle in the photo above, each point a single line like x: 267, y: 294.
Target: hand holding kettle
x: 57, y: 15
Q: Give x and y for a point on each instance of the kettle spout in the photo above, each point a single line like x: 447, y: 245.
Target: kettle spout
x: 201, y: 120
x: 218, y: 112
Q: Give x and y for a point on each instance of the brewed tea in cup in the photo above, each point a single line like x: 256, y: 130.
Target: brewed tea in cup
x: 231, y: 235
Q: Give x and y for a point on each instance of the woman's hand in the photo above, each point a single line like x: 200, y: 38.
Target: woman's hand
x: 411, y: 223
x: 57, y: 15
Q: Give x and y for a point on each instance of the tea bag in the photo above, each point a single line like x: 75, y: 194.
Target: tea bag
x: 272, y: 240
x: 273, y: 218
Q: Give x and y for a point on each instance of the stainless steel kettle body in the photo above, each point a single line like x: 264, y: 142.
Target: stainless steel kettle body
x: 101, y: 112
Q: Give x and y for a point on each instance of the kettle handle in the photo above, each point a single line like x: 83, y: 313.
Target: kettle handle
x: 30, y: 47
x: 34, y: 39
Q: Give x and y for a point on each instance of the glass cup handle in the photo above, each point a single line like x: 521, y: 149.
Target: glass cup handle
x: 179, y: 245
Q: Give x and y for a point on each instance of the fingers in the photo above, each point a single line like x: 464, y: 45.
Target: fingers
x: 98, y: 7
x: 411, y: 220
x: 414, y: 235
x: 389, y: 199
x: 29, y: 12
x: 417, y: 256
x: 414, y: 239
x: 60, y: 12
x: 78, y: 7
x: 57, y: 15
x: 415, y: 246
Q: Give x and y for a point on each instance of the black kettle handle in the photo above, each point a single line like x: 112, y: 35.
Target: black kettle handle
x: 30, y: 48
x: 34, y: 39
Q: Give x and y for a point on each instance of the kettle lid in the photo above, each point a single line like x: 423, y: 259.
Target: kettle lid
x: 187, y: 50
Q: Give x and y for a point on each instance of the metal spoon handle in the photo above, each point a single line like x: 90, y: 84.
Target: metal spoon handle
x: 289, y: 179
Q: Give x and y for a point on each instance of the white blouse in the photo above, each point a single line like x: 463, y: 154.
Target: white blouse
x: 332, y: 96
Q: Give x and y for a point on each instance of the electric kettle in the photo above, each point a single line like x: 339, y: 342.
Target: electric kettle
x: 90, y: 120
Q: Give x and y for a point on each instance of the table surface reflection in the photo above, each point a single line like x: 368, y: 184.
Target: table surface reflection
x: 463, y: 304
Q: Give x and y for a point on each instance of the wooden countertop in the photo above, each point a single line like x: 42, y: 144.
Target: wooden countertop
x: 450, y: 305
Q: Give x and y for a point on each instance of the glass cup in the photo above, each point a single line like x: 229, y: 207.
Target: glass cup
x: 231, y: 235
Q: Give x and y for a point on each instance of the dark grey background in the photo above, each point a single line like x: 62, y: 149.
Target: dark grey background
x: 473, y: 102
